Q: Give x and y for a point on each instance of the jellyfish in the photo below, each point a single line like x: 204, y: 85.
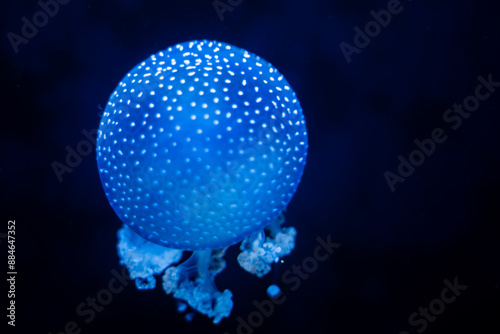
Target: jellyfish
x: 200, y: 147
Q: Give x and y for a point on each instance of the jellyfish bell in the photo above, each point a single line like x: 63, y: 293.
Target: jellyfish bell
x: 201, y: 146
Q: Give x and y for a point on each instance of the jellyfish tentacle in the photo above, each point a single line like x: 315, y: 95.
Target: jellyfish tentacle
x: 259, y: 251
x: 193, y: 282
x: 143, y: 258
x: 281, y: 237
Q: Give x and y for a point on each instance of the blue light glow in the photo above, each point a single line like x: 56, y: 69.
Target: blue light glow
x: 201, y: 146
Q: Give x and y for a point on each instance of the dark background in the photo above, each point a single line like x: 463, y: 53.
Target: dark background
x: 396, y: 247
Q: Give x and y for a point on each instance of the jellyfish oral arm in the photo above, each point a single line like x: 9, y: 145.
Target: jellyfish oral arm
x: 259, y: 251
x: 193, y: 282
x: 144, y: 259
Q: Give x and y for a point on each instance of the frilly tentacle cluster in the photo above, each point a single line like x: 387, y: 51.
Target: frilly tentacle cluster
x: 192, y: 282
x: 144, y: 259
x: 260, y: 251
